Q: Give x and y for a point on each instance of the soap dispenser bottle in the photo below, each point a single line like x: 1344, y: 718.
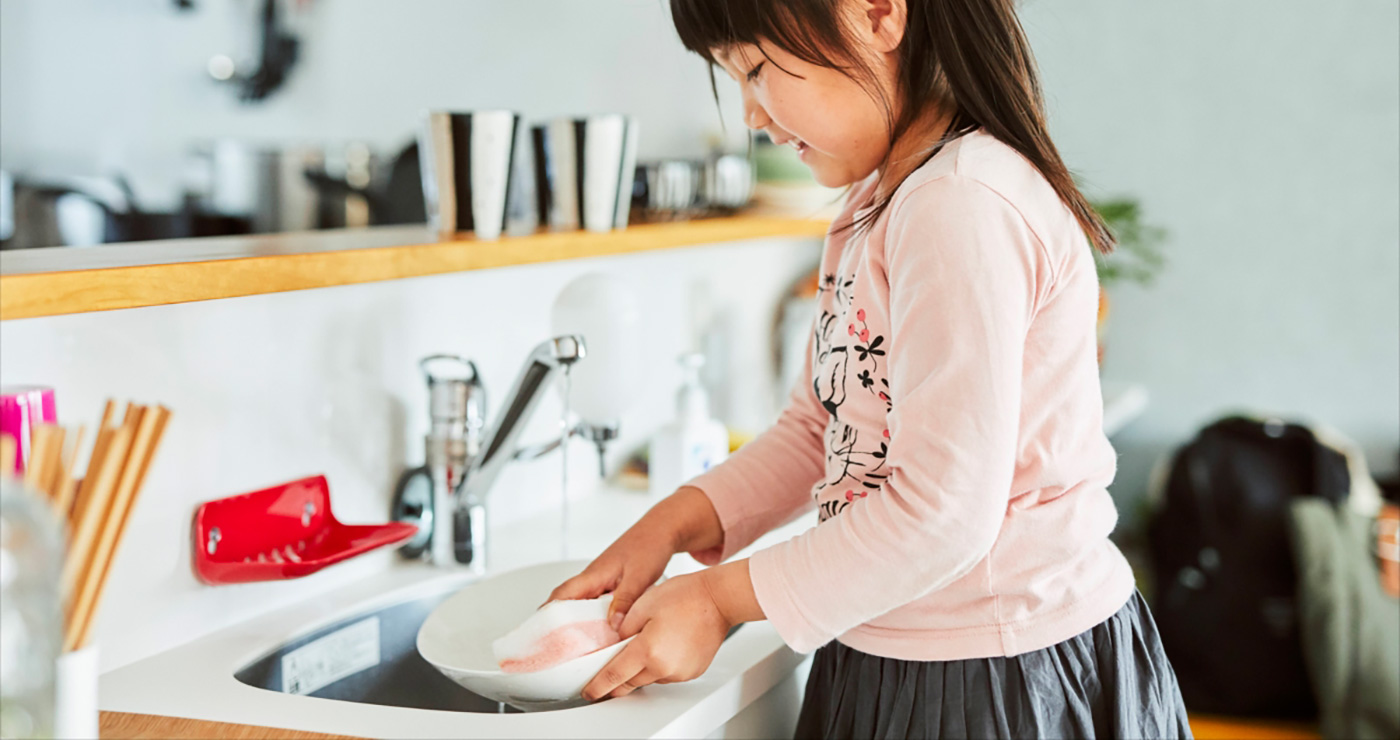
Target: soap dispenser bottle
x: 691, y: 444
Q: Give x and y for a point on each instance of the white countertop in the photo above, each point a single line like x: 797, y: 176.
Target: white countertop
x: 196, y: 680
x: 1122, y: 404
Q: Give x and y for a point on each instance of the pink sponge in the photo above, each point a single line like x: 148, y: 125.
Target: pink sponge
x: 559, y: 632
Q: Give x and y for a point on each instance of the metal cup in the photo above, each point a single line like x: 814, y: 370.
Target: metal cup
x: 583, y: 171
x: 467, y: 164
x: 673, y: 186
x: 728, y: 181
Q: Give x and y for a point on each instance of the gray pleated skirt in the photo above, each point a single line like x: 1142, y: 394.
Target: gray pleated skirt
x: 1113, y: 680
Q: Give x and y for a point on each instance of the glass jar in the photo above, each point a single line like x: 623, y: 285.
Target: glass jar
x: 31, y: 611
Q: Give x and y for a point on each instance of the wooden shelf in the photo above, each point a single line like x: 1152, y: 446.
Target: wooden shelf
x: 67, y: 280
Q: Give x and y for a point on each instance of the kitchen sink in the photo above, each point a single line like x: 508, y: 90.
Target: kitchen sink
x: 370, y: 658
x: 340, y: 661
x: 343, y: 659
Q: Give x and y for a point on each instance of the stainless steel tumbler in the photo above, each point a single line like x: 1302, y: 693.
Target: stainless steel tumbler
x: 467, y: 164
x: 584, y: 171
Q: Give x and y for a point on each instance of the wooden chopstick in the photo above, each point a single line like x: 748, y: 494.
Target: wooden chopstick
x: 53, y: 462
x: 85, y: 593
x: 38, y: 455
x: 151, y: 427
x: 130, y: 414
x: 98, y: 485
x: 99, y: 451
x: 108, y: 409
x: 8, y: 450
x: 161, y: 421
x: 64, y: 490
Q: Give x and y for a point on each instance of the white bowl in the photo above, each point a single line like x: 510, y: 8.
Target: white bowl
x: 456, y: 639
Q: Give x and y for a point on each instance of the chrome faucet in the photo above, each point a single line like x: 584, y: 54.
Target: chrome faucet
x: 459, y: 484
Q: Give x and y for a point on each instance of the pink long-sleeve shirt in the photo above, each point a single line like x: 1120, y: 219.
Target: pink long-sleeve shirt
x: 947, y: 428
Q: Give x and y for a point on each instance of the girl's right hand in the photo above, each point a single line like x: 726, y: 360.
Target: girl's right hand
x: 685, y: 521
x: 627, y: 569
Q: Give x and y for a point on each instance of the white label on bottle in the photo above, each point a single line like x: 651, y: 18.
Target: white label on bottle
x: 341, y: 653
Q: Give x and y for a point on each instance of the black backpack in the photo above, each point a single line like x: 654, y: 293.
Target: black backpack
x: 1224, y: 580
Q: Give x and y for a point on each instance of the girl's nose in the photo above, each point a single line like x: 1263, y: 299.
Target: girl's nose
x: 755, y: 117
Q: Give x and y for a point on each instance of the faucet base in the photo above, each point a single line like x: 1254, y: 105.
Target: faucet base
x: 413, y: 504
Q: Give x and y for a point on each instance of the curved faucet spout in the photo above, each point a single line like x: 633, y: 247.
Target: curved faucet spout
x: 543, y: 363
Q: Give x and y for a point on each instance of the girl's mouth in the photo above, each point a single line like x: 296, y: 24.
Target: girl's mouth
x: 796, y: 143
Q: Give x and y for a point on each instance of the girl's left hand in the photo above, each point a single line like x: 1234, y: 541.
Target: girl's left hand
x: 678, y: 626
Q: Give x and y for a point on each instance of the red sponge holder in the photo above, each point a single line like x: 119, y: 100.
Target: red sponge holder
x: 286, y: 531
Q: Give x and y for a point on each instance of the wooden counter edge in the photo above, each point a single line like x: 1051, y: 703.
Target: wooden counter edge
x: 124, y: 726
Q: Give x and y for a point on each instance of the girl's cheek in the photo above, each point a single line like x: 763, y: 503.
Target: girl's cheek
x: 795, y: 118
x: 828, y: 123
x: 788, y: 105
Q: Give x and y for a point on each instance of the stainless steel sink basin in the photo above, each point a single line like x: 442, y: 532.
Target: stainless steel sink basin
x: 370, y: 658
x: 397, y: 677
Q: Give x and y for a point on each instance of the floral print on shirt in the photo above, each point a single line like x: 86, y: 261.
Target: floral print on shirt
x: 847, y: 356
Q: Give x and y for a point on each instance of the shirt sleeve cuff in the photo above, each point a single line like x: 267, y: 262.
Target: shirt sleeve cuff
x: 774, y: 595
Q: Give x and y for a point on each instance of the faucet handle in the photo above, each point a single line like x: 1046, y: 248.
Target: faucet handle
x: 445, y: 367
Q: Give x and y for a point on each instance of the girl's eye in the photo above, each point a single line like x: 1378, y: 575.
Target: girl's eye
x: 753, y: 75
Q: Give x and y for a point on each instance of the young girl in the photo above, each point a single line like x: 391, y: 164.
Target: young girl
x: 948, y: 427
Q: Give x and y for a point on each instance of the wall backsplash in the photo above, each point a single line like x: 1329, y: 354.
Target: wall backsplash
x: 269, y: 388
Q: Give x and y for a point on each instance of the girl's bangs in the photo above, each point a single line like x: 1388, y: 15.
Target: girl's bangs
x: 804, y: 29
x: 706, y: 26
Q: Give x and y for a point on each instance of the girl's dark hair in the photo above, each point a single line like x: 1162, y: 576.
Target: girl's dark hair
x: 970, y: 57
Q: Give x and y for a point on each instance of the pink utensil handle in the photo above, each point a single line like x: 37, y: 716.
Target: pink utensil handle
x: 22, y: 407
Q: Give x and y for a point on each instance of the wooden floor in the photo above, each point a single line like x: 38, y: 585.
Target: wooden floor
x: 1209, y: 727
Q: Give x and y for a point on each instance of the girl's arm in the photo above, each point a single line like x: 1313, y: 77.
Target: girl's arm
x: 688, y: 518
x: 731, y: 588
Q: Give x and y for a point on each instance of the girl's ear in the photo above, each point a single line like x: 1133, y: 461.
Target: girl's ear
x: 881, y: 23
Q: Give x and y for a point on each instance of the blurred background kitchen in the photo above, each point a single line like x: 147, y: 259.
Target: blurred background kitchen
x: 1248, y: 153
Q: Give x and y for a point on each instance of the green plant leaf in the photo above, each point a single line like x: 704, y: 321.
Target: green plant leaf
x: 1138, y: 256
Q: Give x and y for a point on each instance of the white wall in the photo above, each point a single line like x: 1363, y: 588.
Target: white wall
x: 103, y: 85
x: 1266, y: 137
